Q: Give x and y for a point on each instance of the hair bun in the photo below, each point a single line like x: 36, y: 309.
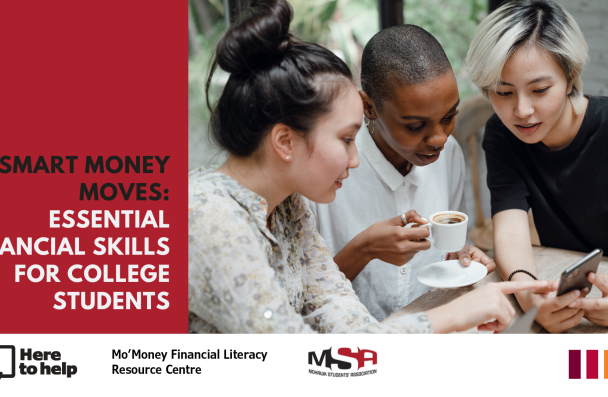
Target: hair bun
x: 257, y: 39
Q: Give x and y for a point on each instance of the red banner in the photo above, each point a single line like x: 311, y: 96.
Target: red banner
x: 93, y: 163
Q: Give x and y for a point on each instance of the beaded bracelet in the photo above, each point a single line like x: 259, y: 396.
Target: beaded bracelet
x: 522, y: 271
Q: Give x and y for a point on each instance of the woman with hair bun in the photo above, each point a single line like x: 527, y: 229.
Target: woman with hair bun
x: 545, y: 149
x: 288, y: 116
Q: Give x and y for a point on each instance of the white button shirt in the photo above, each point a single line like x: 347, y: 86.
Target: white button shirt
x: 376, y: 191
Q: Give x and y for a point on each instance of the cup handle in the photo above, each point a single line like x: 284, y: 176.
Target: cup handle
x: 429, y: 225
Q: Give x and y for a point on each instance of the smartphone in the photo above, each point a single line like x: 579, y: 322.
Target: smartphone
x: 575, y: 277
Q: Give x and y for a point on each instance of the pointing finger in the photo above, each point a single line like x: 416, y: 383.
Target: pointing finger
x: 510, y: 287
x: 551, y: 286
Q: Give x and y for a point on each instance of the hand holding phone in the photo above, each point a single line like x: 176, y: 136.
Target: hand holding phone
x: 575, y: 277
x: 596, y: 309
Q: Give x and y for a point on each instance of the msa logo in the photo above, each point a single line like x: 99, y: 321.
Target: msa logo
x: 345, y: 360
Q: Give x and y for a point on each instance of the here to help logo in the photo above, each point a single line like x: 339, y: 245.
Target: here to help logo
x: 33, y: 363
x: 344, y: 362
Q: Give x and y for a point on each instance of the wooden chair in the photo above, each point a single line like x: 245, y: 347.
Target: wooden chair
x: 472, y: 117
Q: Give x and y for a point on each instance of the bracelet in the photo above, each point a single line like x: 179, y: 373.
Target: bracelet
x: 522, y: 271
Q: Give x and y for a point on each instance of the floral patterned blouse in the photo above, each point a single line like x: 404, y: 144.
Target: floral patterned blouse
x: 244, y: 278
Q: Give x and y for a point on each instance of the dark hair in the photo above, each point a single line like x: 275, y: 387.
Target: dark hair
x: 400, y: 55
x: 273, y: 79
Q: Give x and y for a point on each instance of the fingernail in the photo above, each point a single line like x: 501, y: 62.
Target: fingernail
x: 592, y: 276
x: 467, y: 260
x: 424, y: 219
x: 573, y: 304
x: 577, y: 292
x: 585, y: 290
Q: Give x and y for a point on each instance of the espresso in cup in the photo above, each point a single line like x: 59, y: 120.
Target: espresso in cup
x: 448, y: 219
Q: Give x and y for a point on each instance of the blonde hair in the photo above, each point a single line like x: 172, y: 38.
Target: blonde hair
x: 541, y: 23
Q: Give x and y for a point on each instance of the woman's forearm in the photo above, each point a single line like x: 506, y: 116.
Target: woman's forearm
x: 512, y: 246
x: 513, y: 250
x: 512, y: 255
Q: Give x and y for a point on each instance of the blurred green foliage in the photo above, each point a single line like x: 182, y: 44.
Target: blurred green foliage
x: 322, y: 22
x: 453, y: 23
x: 344, y: 26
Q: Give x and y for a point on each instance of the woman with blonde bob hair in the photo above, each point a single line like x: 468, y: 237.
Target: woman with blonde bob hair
x: 545, y: 149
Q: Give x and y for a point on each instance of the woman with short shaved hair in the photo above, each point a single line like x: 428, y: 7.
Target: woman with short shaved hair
x: 410, y: 167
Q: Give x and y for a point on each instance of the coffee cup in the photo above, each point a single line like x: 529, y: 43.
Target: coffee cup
x: 448, y: 230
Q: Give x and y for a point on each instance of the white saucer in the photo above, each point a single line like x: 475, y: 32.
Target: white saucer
x: 451, y: 274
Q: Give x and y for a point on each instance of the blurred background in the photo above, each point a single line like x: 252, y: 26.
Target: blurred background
x: 345, y: 26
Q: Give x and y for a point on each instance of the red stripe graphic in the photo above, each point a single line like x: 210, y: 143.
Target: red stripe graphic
x: 574, y: 364
x: 592, y: 364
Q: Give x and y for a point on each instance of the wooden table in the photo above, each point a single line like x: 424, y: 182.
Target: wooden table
x: 550, y: 262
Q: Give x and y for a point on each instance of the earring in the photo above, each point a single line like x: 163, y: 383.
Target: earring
x: 288, y: 157
x: 373, y: 123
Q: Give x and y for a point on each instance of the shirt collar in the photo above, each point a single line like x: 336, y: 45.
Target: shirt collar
x: 253, y: 203
x: 383, y: 167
